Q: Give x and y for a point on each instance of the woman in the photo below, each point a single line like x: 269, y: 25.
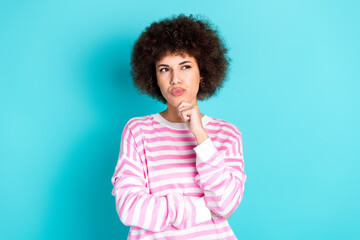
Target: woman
x: 180, y: 173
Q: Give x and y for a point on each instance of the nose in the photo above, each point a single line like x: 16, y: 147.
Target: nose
x: 175, y: 77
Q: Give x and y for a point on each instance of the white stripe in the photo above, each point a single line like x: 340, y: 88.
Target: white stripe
x: 174, y: 181
x: 187, y: 191
x: 166, y: 142
x: 172, y: 161
x: 173, y: 170
x: 137, y: 214
x: 172, y: 152
x: 181, y: 212
x: 131, y: 181
x: 149, y: 213
x: 161, y: 214
x: 125, y: 213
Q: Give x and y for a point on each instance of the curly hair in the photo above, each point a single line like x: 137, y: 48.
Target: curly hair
x: 180, y: 34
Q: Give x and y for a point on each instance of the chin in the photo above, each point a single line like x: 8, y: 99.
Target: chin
x: 176, y: 101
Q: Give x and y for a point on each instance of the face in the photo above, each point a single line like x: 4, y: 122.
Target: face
x: 178, y: 77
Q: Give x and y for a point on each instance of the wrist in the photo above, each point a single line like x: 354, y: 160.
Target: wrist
x: 201, y: 136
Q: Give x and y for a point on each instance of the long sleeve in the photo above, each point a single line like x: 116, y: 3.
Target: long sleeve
x: 221, y: 176
x: 136, y: 206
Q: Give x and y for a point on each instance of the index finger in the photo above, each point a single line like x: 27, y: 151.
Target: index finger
x: 183, y: 103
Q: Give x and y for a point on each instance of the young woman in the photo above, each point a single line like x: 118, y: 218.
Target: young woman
x: 180, y: 173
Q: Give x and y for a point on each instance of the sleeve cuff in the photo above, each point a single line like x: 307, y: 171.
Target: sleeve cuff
x: 205, y: 150
x: 203, y: 213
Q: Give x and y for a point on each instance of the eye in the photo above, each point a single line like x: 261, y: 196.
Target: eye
x: 164, y: 70
x: 185, y: 67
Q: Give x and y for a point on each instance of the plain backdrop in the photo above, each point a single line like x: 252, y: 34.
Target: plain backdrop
x: 66, y: 93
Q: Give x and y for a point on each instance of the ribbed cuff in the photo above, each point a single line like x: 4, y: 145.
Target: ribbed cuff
x: 205, y: 150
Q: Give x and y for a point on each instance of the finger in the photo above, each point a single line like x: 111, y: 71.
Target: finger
x: 186, y: 114
x: 194, y: 109
x: 184, y: 104
x: 181, y: 104
x: 182, y: 109
x: 182, y: 115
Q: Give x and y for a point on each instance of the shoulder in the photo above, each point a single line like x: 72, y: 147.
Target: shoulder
x: 135, y: 123
x: 227, y: 133
x: 225, y: 126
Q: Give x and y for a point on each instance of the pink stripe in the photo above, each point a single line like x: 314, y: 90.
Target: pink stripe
x: 140, y: 121
x: 237, y: 168
x: 165, y: 129
x: 169, y: 157
x: 131, y: 199
x: 170, y: 212
x: 235, y: 205
x: 221, y: 140
x: 210, y: 169
x: 170, y: 147
x: 170, y: 138
x: 145, y: 124
x: 125, y: 143
x: 127, y: 162
x: 174, y: 186
x: 185, y: 147
x: 158, y: 205
x: 210, y: 182
x: 234, y: 202
x: 222, y: 131
x: 143, y: 211
x: 205, y: 163
x: 224, y: 125
x: 172, y: 176
x: 173, y: 165
x: 233, y: 160
x: 176, y: 218
x: 123, y: 208
x: 239, y: 145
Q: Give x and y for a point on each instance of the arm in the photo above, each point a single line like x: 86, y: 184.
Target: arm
x: 137, y: 207
x: 223, y: 184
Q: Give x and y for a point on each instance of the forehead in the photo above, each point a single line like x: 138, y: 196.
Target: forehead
x: 175, y: 57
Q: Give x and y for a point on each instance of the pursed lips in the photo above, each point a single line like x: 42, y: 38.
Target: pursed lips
x: 177, y: 91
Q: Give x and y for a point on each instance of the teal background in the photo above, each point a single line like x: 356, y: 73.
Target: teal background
x: 66, y: 94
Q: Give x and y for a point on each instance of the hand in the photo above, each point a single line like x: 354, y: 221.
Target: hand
x: 215, y: 215
x: 191, y: 115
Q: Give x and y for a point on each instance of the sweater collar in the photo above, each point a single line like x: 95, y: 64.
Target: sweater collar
x: 174, y: 125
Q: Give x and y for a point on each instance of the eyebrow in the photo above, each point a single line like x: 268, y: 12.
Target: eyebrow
x: 165, y: 65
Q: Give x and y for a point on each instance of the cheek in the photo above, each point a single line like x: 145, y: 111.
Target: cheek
x: 195, y: 82
x: 161, y: 86
x: 163, y: 89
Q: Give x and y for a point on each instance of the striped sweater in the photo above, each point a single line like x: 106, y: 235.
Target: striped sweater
x: 165, y: 184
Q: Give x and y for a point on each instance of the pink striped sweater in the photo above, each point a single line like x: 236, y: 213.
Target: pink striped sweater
x: 165, y: 184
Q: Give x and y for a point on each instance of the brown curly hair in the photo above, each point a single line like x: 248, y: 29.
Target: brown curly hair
x: 180, y: 34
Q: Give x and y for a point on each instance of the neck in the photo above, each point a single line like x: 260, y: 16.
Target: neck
x: 171, y: 114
